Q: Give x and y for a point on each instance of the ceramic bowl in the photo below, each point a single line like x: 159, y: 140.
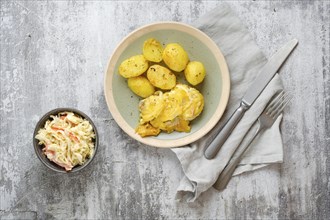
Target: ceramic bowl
x: 38, y: 148
x: 123, y: 103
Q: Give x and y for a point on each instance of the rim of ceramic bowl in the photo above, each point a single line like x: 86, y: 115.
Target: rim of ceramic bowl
x: 110, y: 71
x: 38, y: 148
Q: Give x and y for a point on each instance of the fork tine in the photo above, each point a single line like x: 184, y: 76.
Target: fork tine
x: 280, y: 108
x: 274, y: 102
x: 277, y: 104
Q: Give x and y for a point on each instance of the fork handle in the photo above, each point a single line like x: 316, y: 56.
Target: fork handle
x: 212, y: 150
x: 230, y: 168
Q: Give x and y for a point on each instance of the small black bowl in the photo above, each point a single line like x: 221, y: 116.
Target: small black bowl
x: 38, y: 148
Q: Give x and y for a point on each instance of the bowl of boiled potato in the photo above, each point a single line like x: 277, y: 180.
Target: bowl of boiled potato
x: 167, y: 84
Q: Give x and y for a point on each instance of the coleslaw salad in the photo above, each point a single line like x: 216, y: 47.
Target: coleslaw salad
x: 68, y: 140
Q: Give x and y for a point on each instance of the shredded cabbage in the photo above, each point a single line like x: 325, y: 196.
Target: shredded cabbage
x: 67, y: 140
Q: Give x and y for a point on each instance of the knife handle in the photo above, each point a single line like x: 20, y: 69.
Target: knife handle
x: 212, y: 150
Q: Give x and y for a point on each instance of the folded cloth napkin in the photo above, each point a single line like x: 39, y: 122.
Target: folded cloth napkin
x: 244, y: 59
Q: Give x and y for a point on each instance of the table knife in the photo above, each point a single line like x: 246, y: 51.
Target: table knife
x: 265, y: 75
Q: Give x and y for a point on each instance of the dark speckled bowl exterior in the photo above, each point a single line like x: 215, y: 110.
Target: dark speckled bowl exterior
x: 38, y: 148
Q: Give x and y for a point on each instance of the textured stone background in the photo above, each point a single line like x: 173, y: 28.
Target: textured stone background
x: 54, y: 53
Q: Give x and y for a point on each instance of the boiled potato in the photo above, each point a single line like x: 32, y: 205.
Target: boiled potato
x: 141, y: 86
x: 175, y: 57
x: 194, y: 72
x: 153, y: 50
x: 161, y: 77
x: 133, y: 66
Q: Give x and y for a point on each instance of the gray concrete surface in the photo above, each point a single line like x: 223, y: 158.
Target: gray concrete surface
x: 54, y: 53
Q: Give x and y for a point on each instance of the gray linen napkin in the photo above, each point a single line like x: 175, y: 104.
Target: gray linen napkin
x: 244, y: 59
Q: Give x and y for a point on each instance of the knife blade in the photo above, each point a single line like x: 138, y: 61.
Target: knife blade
x: 265, y: 75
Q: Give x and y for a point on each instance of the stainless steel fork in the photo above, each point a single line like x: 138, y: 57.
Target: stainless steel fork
x: 265, y: 121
